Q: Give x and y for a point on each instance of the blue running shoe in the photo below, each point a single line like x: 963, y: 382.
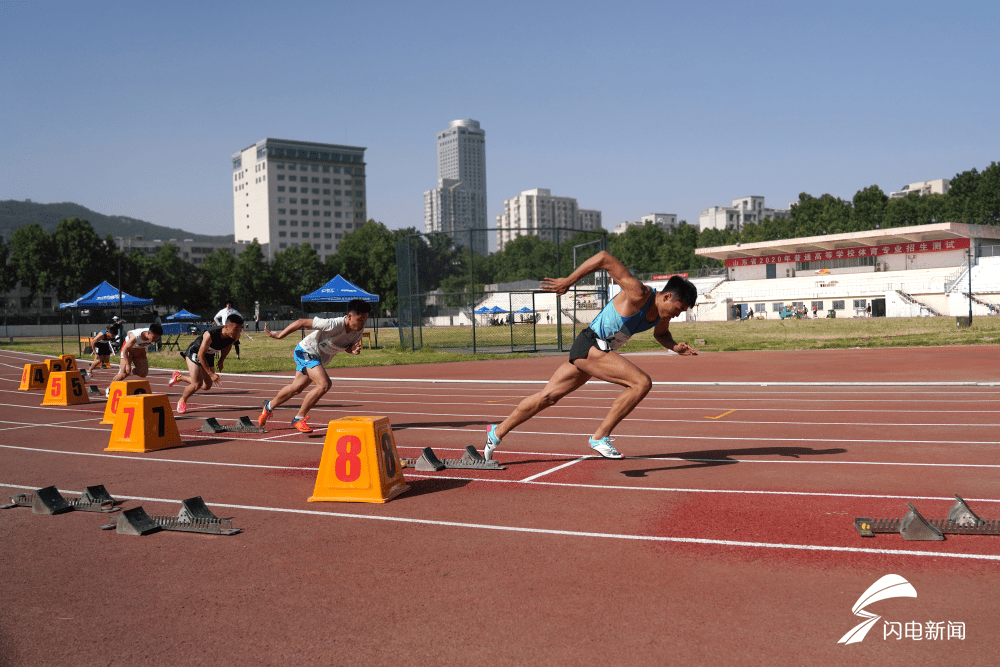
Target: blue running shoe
x: 605, y: 448
x: 492, y: 442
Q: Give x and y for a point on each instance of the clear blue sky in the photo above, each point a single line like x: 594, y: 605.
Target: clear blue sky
x: 630, y: 107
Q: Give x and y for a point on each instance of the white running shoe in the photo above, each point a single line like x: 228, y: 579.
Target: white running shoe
x: 492, y: 442
x: 107, y: 392
x: 605, y: 448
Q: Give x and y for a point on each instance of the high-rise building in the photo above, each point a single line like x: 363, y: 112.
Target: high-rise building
x: 743, y: 210
x: 458, y: 204
x: 537, y: 213
x: 291, y: 193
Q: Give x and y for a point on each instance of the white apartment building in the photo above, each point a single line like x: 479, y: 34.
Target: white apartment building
x: 189, y: 250
x: 291, y: 193
x: 936, y: 187
x: 743, y: 210
x: 458, y: 204
x: 666, y: 221
x: 536, y: 212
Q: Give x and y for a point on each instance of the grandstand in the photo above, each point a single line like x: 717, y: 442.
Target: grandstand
x: 898, y: 272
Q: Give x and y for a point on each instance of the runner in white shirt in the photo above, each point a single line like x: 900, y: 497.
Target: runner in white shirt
x: 331, y: 337
x: 133, y: 352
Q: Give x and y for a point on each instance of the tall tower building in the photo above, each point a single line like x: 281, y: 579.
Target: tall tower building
x: 291, y: 193
x: 458, y: 204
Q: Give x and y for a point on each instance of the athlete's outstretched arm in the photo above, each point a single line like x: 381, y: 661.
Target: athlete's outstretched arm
x: 303, y: 323
x: 602, y: 261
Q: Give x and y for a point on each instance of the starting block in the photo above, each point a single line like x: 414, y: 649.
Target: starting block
x: 35, y: 376
x: 145, y: 423
x: 244, y: 425
x: 65, y: 388
x: 119, y: 390
x: 471, y: 460
x: 50, y: 501
x: 94, y: 391
x: 961, y: 520
x: 194, y: 517
x: 359, y: 462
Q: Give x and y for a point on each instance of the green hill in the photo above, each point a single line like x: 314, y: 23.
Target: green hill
x: 17, y: 214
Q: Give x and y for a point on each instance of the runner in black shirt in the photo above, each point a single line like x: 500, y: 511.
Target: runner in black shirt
x: 200, y: 357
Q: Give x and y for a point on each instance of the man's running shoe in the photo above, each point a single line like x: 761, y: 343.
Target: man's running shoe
x: 107, y: 392
x: 174, y: 378
x: 301, y: 425
x: 492, y: 442
x: 265, y: 414
x: 605, y: 448
x: 182, y: 407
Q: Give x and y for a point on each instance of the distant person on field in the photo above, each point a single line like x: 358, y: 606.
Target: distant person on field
x: 331, y: 337
x: 222, y: 317
x: 868, y: 310
x: 636, y: 308
x: 101, y: 344
x: 200, y: 356
x: 134, y: 352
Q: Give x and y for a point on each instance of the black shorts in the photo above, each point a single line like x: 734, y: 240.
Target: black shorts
x: 102, y: 349
x: 192, y: 354
x: 585, y: 340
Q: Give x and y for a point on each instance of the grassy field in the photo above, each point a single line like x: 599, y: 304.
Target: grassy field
x: 265, y: 354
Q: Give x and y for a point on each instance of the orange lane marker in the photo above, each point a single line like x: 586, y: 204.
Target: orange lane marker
x: 722, y: 415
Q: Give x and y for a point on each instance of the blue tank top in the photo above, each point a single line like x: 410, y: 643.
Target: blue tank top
x: 617, y: 330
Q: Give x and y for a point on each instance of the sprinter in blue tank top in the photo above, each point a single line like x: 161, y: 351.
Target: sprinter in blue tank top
x: 634, y: 309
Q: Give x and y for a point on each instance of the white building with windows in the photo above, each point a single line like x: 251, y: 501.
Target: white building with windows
x: 936, y: 187
x: 291, y: 193
x: 458, y: 204
x: 743, y: 210
x: 665, y: 221
x: 537, y: 213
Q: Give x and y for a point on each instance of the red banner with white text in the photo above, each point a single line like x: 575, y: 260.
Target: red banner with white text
x: 861, y: 251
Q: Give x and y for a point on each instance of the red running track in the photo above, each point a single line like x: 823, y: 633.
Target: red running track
x: 727, y: 535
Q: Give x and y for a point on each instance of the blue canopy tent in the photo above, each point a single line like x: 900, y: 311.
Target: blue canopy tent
x: 338, y: 290
x: 482, y: 310
x: 341, y: 290
x: 183, y: 316
x: 102, y: 296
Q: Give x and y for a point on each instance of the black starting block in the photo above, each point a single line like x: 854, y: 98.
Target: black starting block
x: 194, y: 517
x: 471, y: 460
x: 961, y: 520
x: 94, y: 391
x: 243, y: 425
x: 50, y: 501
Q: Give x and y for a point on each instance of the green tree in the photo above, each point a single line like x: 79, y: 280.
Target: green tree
x: 78, y: 258
x: 868, y: 210
x: 7, y: 279
x: 253, y: 278
x: 217, y: 279
x: 639, y: 247
x: 367, y: 257
x: 526, y: 258
x: 31, y: 259
x: 297, y: 271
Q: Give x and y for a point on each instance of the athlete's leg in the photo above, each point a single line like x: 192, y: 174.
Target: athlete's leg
x: 197, y: 379
x: 567, y: 379
x: 293, y: 388
x: 140, y: 364
x: 612, y: 367
x: 322, y: 381
x: 122, y: 374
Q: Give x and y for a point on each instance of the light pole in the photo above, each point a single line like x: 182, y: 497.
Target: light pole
x: 970, y: 283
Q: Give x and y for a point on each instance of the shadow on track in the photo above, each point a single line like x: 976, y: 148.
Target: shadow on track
x: 715, y: 457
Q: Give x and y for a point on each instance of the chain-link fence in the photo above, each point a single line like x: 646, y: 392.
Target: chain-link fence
x: 448, y: 301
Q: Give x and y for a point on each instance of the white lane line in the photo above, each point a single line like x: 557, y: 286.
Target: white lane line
x: 551, y: 470
x: 572, y: 533
x: 715, y: 438
x: 605, y: 487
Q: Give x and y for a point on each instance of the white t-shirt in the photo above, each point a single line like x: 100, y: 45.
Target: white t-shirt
x: 223, y: 315
x: 139, y: 343
x: 329, y: 338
